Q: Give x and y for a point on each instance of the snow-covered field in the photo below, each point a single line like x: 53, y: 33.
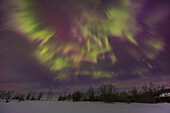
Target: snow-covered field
x: 81, y: 107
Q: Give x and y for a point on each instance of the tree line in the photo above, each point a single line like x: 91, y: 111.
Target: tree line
x: 111, y: 94
x: 105, y: 93
x: 11, y: 95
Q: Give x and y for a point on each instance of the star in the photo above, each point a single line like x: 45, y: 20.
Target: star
x: 143, y: 59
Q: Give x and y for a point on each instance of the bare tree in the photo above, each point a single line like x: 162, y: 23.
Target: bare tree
x: 21, y: 97
x: 16, y: 96
x: 3, y: 94
x: 90, y: 94
x: 77, y: 96
x: 8, y: 95
x: 28, y: 96
x: 33, y: 96
x: 40, y: 95
x: 106, y: 93
x: 50, y: 94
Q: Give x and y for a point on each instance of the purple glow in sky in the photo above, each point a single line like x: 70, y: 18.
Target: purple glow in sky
x: 75, y: 44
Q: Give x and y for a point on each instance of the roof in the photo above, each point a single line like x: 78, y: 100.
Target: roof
x: 163, y: 92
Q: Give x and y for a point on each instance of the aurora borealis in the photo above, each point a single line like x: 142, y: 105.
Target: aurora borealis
x: 56, y: 43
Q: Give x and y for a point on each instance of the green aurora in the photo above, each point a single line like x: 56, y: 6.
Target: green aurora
x: 87, y: 40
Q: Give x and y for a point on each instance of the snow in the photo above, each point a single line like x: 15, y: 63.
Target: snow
x: 165, y: 95
x: 81, y: 107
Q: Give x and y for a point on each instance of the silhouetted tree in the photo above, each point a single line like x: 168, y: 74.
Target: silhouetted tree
x: 39, y: 95
x: 21, y: 97
x: 61, y: 98
x: 109, y: 93
x: 134, y: 95
x: 16, y: 96
x: 33, y: 96
x: 90, y: 94
x: 77, y: 96
x: 68, y: 97
x: 149, y: 91
x: 3, y: 94
x: 8, y: 95
x: 28, y: 95
x: 123, y: 97
x: 50, y: 94
x: 106, y: 93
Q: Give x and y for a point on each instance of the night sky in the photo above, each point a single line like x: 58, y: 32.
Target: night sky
x: 73, y: 44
